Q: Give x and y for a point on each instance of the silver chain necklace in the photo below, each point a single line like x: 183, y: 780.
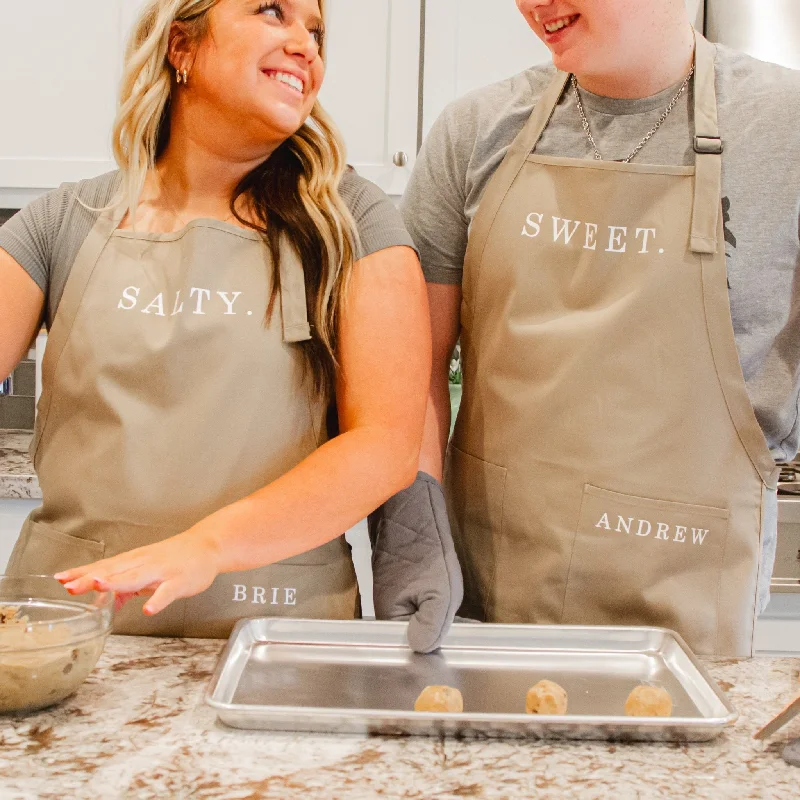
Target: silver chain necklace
x: 650, y: 134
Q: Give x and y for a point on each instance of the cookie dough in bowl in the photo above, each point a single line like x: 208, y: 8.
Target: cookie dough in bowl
x: 49, y: 641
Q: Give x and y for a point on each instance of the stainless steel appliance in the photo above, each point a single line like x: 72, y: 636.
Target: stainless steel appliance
x: 766, y: 29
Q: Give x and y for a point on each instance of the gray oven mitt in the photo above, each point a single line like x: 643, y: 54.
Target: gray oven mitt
x: 416, y: 574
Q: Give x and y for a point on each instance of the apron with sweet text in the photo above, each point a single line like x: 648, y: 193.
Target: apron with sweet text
x: 607, y: 467
x: 165, y: 398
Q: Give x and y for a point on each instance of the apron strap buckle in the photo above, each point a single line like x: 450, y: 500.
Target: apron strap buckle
x: 708, y: 145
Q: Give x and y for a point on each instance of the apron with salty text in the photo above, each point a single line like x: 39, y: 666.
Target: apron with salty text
x: 607, y: 467
x: 166, y: 397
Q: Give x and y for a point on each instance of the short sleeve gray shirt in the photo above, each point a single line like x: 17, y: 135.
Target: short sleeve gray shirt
x: 759, y: 116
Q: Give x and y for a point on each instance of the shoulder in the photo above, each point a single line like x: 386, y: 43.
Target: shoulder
x: 359, y: 194
x: 473, y: 133
x: 97, y: 192
x: 524, y: 88
x: 44, y: 220
x: 86, y: 198
x: 56, y: 209
x: 378, y: 222
x: 496, y: 108
x: 763, y: 91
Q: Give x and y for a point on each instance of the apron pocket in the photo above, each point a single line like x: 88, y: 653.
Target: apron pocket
x: 638, y: 561
x: 42, y: 550
x: 324, y: 591
x: 475, y: 491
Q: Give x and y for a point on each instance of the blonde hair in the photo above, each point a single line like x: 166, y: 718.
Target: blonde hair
x: 294, y: 193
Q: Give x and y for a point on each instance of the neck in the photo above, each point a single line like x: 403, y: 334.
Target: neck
x: 199, y: 171
x: 658, y: 62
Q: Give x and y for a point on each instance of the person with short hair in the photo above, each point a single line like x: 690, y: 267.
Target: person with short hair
x: 614, y: 239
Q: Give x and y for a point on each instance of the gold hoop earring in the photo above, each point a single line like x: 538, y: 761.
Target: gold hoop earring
x: 182, y: 76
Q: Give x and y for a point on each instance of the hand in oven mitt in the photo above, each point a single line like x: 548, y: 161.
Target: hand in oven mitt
x: 415, y: 569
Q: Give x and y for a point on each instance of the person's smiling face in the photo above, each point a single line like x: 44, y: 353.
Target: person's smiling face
x: 260, y: 64
x: 588, y: 36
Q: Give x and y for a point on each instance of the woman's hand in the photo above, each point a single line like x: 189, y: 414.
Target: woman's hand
x: 178, y: 567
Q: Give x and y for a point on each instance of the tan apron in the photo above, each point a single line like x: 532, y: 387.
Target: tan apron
x: 166, y: 397
x: 607, y: 467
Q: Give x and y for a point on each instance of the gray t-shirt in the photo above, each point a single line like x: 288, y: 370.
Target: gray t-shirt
x: 759, y: 117
x: 44, y: 238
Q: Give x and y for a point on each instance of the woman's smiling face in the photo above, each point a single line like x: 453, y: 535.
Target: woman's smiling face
x: 260, y: 64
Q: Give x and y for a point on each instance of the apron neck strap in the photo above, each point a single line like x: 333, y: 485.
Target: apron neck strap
x: 71, y: 299
x: 708, y: 153
x: 529, y: 137
x: 506, y: 173
x: 294, y: 307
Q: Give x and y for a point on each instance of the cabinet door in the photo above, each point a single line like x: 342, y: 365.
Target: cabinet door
x: 372, y: 85
x: 59, y: 67
x: 472, y: 43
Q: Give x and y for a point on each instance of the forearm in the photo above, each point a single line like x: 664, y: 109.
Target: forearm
x: 445, y: 304
x: 323, y: 496
x: 437, y: 425
x: 21, y: 303
x: 384, y: 353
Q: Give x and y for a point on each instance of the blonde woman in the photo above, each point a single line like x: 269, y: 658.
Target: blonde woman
x: 205, y: 303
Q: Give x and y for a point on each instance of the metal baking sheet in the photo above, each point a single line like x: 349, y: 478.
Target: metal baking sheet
x: 361, y: 677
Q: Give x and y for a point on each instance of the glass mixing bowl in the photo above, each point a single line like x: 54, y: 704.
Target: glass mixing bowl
x: 49, y: 640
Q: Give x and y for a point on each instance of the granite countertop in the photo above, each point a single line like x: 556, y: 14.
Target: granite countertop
x: 139, y: 728
x: 18, y: 481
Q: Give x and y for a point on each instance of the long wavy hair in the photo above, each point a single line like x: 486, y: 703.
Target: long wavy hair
x: 293, y: 194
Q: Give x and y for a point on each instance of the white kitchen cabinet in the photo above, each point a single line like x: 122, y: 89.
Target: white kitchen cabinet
x: 60, y: 65
x: 472, y: 43
x: 59, y: 69
x: 372, y: 85
x: 12, y: 514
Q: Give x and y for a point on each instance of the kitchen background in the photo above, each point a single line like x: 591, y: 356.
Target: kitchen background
x: 60, y: 64
x: 421, y: 55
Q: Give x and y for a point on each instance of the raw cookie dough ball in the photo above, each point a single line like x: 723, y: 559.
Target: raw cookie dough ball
x: 440, y: 698
x: 648, y: 701
x: 9, y: 615
x: 546, y: 698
